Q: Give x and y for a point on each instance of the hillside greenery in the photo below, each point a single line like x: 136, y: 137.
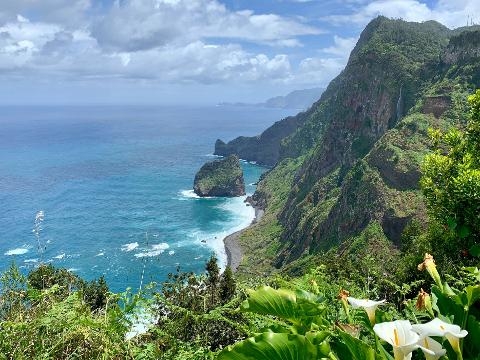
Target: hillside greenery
x: 368, y: 247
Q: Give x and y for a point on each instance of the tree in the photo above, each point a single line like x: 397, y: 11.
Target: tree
x: 451, y: 178
x: 213, y: 278
x: 227, y: 285
x: 46, y: 275
x: 95, y: 293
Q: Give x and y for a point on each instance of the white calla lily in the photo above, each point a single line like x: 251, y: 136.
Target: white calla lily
x: 400, y: 335
x: 437, y: 327
x: 369, y: 306
x: 432, y: 345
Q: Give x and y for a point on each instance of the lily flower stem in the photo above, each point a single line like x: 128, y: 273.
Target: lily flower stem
x: 346, y: 309
x: 464, y: 326
x: 332, y: 356
x: 376, y: 344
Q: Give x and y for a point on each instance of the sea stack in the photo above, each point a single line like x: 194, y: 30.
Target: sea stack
x: 222, y: 177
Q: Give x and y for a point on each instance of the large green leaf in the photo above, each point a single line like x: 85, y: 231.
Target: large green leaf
x: 448, y: 306
x: 475, y: 250
x: 286, y: 304
x: 472, y: 294
x: 353, y: 348
x: 472, y: 344
x: 271, y: 346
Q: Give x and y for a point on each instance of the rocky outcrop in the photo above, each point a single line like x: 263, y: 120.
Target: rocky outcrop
x: 436, y: 105
x: 220, y: 178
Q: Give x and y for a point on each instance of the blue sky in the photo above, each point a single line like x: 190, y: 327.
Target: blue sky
x: 187, y: 51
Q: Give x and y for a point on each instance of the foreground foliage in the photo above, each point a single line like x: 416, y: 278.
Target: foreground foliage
x: 451, y: 181
x: 303, y: 329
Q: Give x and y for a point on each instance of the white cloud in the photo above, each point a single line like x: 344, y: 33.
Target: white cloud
x: 320, y: 70
x: 143, y: 24
x: 452, y: 13
x: 341, y: 47
x: 152, y: 40
x: 186, y: 41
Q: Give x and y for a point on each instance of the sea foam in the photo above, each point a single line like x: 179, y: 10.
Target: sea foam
x: 17, y: 251
x: 156, y: 249
x: 190, y: 194
x: 130, y: 246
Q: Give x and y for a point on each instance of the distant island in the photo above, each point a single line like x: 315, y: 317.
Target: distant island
x: 298, y: 99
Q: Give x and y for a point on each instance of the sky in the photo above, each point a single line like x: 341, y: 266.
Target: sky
x: 187, y: 51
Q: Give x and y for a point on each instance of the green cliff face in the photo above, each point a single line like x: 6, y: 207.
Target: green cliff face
x: 220, y: 178
x: 358, y: 149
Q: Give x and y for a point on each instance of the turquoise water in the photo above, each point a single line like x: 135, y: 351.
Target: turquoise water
x: 111, y: 188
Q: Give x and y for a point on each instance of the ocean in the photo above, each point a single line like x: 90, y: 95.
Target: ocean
x: 108, y: 190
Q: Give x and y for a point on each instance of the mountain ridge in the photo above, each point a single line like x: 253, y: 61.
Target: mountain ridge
x: 353, y: 166
x: 297, y: 99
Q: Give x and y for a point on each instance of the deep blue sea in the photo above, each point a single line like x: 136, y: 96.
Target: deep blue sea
x: 107, y: 190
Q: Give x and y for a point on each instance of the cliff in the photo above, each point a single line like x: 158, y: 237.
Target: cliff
x: 357, y: 151
x: 265, y: 148
x: 220, y: 178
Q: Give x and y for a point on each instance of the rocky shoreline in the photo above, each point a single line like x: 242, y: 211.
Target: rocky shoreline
x: 232, y: 244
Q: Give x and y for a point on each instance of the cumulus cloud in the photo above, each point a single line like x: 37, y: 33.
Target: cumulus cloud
x: 52, y: 50
x: 164, y: 40
x: 134, y: 25
x: 331, y: 60
x: 452, y: 13
x: 188, y: 41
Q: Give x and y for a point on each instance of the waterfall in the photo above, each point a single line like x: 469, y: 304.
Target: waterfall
x: 399, y: 110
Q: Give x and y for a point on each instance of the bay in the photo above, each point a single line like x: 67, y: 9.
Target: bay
x: 111, y: 188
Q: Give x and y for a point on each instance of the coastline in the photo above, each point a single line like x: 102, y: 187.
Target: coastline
x: 232, y: 245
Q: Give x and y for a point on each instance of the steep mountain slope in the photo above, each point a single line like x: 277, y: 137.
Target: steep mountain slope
x: 357, y: 155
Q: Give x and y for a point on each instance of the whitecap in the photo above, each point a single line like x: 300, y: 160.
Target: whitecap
x: 157, y: 249
x: 162, y: 246
x: 171, y: 252
x: 40, y: 216
x: 130, y: 246
x: 152, y: 253
x: 72, y: 269
x: 30, y: 261
x: 17, y: 251
x: 60, y: 256
x: 189, y: 194
x: 100, y: 254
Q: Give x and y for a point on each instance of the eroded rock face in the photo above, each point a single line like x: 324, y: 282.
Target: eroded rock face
x: 220, y: 178
x: 264, y: 148
x: 436, y: 105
